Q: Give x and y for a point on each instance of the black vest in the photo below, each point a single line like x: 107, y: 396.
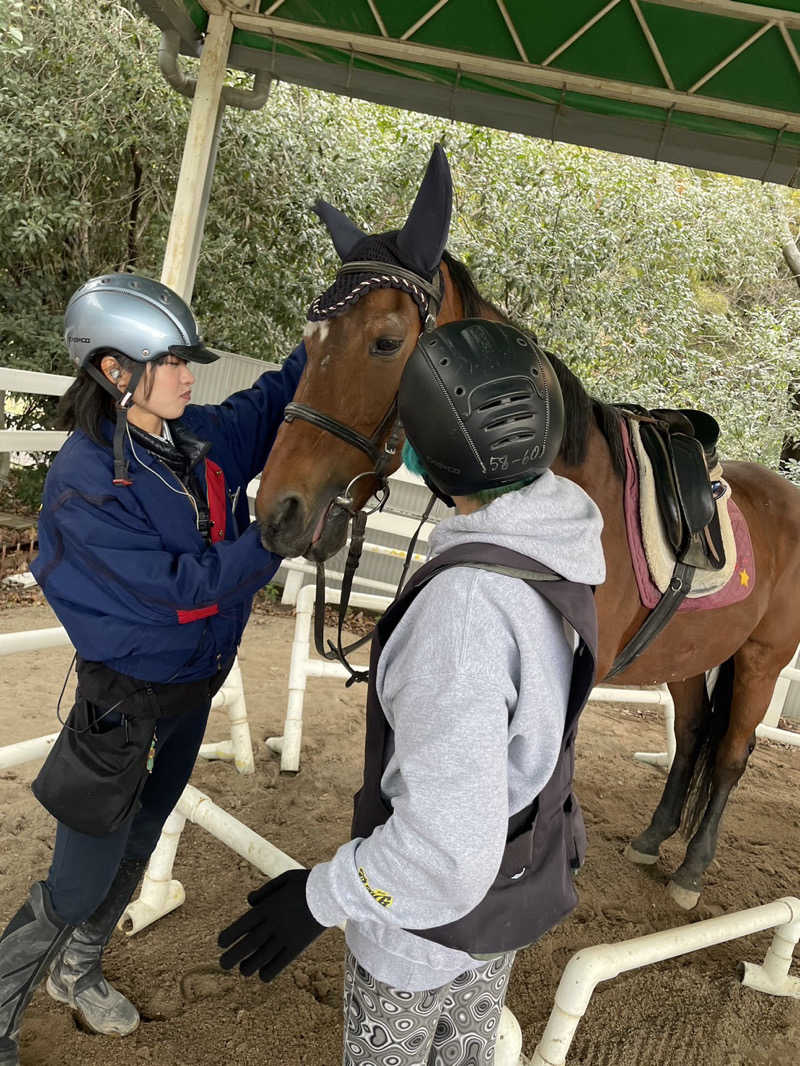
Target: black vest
x: 546, y: 841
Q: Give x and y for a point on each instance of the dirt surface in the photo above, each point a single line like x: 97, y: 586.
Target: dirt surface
x: 685, y: 1012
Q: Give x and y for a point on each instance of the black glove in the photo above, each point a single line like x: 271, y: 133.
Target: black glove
x: 277, y: 929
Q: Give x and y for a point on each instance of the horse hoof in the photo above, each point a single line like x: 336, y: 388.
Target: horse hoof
x: 641, y: 858
x: 684, y: 897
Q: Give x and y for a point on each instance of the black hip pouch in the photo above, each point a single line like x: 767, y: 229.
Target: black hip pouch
x: 95, y: 772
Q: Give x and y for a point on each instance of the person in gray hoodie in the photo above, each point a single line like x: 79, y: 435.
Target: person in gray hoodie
x: 466, y: 832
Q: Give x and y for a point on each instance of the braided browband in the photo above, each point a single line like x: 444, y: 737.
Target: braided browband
x: 427, y: 296
x: 364, y: 266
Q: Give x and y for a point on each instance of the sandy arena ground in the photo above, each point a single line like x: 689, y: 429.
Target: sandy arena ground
x: 686, y: 1012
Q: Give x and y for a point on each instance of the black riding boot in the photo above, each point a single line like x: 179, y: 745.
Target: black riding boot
x: 76, y: 975
x: 33, y: 935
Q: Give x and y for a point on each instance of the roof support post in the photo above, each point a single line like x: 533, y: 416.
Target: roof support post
x: 199, y: 157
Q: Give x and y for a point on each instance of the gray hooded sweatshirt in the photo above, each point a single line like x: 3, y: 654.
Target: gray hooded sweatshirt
x: 474, y: 682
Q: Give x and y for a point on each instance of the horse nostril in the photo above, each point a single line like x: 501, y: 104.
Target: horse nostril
x: 285, y: 515
x: 283, y: 522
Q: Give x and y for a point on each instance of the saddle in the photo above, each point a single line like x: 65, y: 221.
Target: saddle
x: 681, y: 445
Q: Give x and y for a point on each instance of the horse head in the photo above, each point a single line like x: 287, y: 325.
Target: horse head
x: 340, y: 439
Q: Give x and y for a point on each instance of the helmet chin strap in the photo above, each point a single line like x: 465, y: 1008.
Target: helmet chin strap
x: 122, y: 402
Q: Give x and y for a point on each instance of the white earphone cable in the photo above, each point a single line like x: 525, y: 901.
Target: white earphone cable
x: 182, y: 491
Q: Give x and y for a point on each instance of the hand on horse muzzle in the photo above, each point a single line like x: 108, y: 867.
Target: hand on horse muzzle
x: 278, y: 927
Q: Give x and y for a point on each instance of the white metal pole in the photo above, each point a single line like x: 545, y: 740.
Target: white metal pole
x: 33, y: 640
x: 239, y: 748
x: 589, y: 967
x: 660, y: 696
x: 26, y: 751
x: 160, y: 893
x: 198, y: 808
x: 301, y: 666
x: 197, y: 166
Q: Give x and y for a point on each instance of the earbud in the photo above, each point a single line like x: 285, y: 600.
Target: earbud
x: 114, y: 374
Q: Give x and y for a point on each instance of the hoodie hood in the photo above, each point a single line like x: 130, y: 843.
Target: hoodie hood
x: 551, y: 520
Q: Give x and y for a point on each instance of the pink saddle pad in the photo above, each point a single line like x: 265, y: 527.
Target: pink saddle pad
x: 743, y: 577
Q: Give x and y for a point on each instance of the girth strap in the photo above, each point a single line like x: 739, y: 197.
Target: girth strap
x: 679, y: 586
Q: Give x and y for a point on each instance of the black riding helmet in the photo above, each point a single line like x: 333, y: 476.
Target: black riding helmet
x: 481, y: 406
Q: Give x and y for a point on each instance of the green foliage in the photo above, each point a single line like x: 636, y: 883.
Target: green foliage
x: 655, y: 283
x: 24, y: 488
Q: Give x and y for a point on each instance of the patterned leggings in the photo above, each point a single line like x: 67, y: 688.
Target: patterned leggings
x: 455, y: 1025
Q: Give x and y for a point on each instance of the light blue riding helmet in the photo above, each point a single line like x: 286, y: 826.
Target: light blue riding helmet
x: 139, y: 317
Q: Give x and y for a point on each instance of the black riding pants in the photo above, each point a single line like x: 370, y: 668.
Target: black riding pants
x: 83, y: 867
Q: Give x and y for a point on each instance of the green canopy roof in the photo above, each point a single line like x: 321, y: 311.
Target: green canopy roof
x: 707, y: 83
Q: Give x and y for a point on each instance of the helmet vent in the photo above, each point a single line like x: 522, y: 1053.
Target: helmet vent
x: 511, y: 438
x: 504, y: 401
x: 506, y: 420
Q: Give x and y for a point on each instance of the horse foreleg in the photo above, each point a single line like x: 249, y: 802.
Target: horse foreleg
x: 751, y: 695
x: 691, y: 705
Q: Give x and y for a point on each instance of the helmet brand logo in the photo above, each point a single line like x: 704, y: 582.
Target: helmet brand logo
x: 79, y: 340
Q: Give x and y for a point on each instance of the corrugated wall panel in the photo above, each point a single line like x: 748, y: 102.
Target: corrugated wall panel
x: 216, y: 381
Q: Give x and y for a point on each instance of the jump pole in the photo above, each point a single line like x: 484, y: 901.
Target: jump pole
x: 589, y: 967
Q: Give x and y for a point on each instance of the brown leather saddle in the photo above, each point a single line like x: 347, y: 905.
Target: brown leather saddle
x: 681, y: 445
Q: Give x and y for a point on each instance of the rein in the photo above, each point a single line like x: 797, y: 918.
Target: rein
x: 431, y: 294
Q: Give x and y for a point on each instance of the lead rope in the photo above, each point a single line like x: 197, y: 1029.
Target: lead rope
x: 336, y: 651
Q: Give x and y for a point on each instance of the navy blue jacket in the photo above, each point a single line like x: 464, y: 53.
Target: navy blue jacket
x: 125, y: 568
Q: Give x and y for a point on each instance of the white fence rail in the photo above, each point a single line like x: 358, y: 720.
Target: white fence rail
x: 213, y: 384
x: 238, y: 749
x: 305, y: 664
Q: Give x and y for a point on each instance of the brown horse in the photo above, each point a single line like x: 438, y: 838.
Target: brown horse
x: 355, y: 360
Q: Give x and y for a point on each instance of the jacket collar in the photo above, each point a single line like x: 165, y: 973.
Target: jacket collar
x: 181, y: 456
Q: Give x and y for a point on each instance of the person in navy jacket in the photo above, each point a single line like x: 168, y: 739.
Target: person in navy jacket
x: 149, y: 559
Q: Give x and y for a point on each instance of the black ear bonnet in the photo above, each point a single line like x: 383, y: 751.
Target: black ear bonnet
x: 417, y: 247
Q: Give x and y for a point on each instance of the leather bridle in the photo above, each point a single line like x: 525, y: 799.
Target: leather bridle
x: 430, y: 295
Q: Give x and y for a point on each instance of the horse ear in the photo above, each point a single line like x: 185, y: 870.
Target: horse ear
x: 424, y: 236
x: 344, y: 233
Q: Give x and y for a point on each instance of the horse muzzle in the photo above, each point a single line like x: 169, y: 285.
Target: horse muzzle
x: 290, y: 530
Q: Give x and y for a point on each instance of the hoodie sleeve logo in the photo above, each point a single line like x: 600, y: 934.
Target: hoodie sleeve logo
x: 381, y: 897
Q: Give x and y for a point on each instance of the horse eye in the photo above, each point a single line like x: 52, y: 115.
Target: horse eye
x: 385, y: 345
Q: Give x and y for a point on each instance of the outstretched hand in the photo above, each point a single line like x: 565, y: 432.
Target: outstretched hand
x: 278, y: 927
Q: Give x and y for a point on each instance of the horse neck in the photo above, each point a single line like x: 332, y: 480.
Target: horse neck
x: 452, y: 309
x: 599, y: 479
x: 596, y: 474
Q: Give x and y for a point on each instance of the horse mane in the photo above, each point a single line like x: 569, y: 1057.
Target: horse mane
x: 580, y: 405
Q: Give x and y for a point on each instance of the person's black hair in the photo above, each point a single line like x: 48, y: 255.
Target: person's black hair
x: 86, y: 404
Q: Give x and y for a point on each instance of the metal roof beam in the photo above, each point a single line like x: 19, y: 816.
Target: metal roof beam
x: 425, y: 18
x: 512, y: 29
x: 377, y: 16
x: 729, y: 59
x: 580, y: 32
x: 787, y: 40
x: 662, y: 66
x: 733, y: 9
x: 366, y: 46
